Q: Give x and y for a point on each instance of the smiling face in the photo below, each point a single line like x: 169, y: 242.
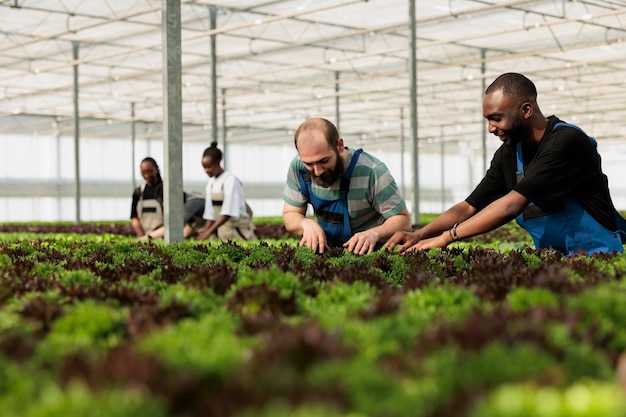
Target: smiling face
x: 505, y: 116
x: 212, y: 168
x: 149, y: 172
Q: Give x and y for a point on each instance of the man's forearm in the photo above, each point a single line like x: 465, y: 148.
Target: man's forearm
x: 455, y: 214
x: 293, y: 222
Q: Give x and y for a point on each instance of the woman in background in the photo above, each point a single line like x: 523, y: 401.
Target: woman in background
x: 146, y: 212
x: 226, y: 213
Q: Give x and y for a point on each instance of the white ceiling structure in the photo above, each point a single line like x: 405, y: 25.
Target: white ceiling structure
x: 279, y: 62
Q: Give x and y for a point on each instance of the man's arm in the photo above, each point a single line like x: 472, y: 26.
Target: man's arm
x: 491, y: 217
x: 365, y: 242
x: 455, y: 214
x: 313, y: 237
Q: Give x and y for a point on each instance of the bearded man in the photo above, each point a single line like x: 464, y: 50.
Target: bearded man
x: 355, y: 199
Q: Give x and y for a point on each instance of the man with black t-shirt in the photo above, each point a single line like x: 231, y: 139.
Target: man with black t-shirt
x: 546, y: 174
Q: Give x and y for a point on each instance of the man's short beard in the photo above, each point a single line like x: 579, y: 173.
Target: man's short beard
x: 328, y: 178
x: 516, y: 132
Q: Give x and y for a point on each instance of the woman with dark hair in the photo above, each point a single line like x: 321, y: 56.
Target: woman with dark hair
x: 226, y: 213
x: 147, y: 208
x: 146, y: 211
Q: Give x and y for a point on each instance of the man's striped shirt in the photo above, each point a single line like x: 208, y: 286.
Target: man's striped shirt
x: 372, y: 198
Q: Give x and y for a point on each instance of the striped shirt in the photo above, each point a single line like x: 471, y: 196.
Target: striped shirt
x: 372, y: 198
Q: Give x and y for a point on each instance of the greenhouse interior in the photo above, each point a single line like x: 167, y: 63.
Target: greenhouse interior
x: 81, y: 96
x: 403, y: 293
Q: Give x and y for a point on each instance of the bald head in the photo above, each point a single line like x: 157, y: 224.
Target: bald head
x: 312, y: 128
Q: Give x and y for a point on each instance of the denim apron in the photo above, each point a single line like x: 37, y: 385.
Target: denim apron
x: 332, y: 215
x: 572, y: 228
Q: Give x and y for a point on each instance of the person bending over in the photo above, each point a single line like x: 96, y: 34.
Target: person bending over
x: 354, y: 196
x: 226, y: 212
x: 547, y: 175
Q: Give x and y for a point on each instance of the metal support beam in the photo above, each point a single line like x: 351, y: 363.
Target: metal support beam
x: 482, y: 71
x: 413, y: 93
x: 75, y: 48
x: 402, y: 139
x: 442, y: 150
x: 224, y: 132
x: 213, y: 37
x: 172, y: 121
x: 133, y: 136
x: 337, y: 110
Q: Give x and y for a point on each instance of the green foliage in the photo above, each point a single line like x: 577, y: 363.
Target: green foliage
x: 48, y: 270
x: 148, y: 282
x: 5, y: 261
x: 29, y: 392
x: 305, y: 255
x: 582, y: 399
x: 86, y: 326
x: 456, y: 371
x: 12, y: 321
x: 523, y: 299
x: 202, y: 302
x: 208, y: 345
x: 77, y: 400
x: 438, y: 301
x: 397, y: 273
x: 603, y: 307
x: 80, y: 278
x: 373, y: 392
x: 284, y: 282
x: 189, y: 256
x: 282, y: 409
x: 337, y: 301
x: 381, y: 335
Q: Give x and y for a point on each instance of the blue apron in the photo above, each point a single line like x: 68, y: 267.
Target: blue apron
x: 572, y: 228
x: 332, y: 215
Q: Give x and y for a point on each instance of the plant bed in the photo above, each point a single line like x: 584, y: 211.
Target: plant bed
x: 265, y: 230
x: 117, y: 327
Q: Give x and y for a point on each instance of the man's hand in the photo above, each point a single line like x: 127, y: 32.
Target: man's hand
x: 362, y: 242
x: 313, y: 237
x: 440, y: 241
x: 406, y: 239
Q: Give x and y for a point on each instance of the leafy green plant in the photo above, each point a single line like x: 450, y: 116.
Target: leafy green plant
x: 582, y: 399
x: 208, y: 345
x: 86, y: 326
x: 523, y: 299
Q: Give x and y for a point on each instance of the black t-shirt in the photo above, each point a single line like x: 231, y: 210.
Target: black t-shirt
x: 563, y: 165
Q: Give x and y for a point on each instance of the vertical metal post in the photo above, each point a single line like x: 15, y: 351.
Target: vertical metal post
x: 482, y: 71
x: 57, y: 128
x: 441, y: 163
x: 224, y: 132
x: 413, y: 93
x: 337, y: 111
x: 75, y: 48
x: 402, y: 137
x: 172, y: 121
x: 213, y: 18
x: 132, y: 144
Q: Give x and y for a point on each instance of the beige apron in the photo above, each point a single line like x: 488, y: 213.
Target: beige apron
x: 150, y: 212
x: 234, y: 228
